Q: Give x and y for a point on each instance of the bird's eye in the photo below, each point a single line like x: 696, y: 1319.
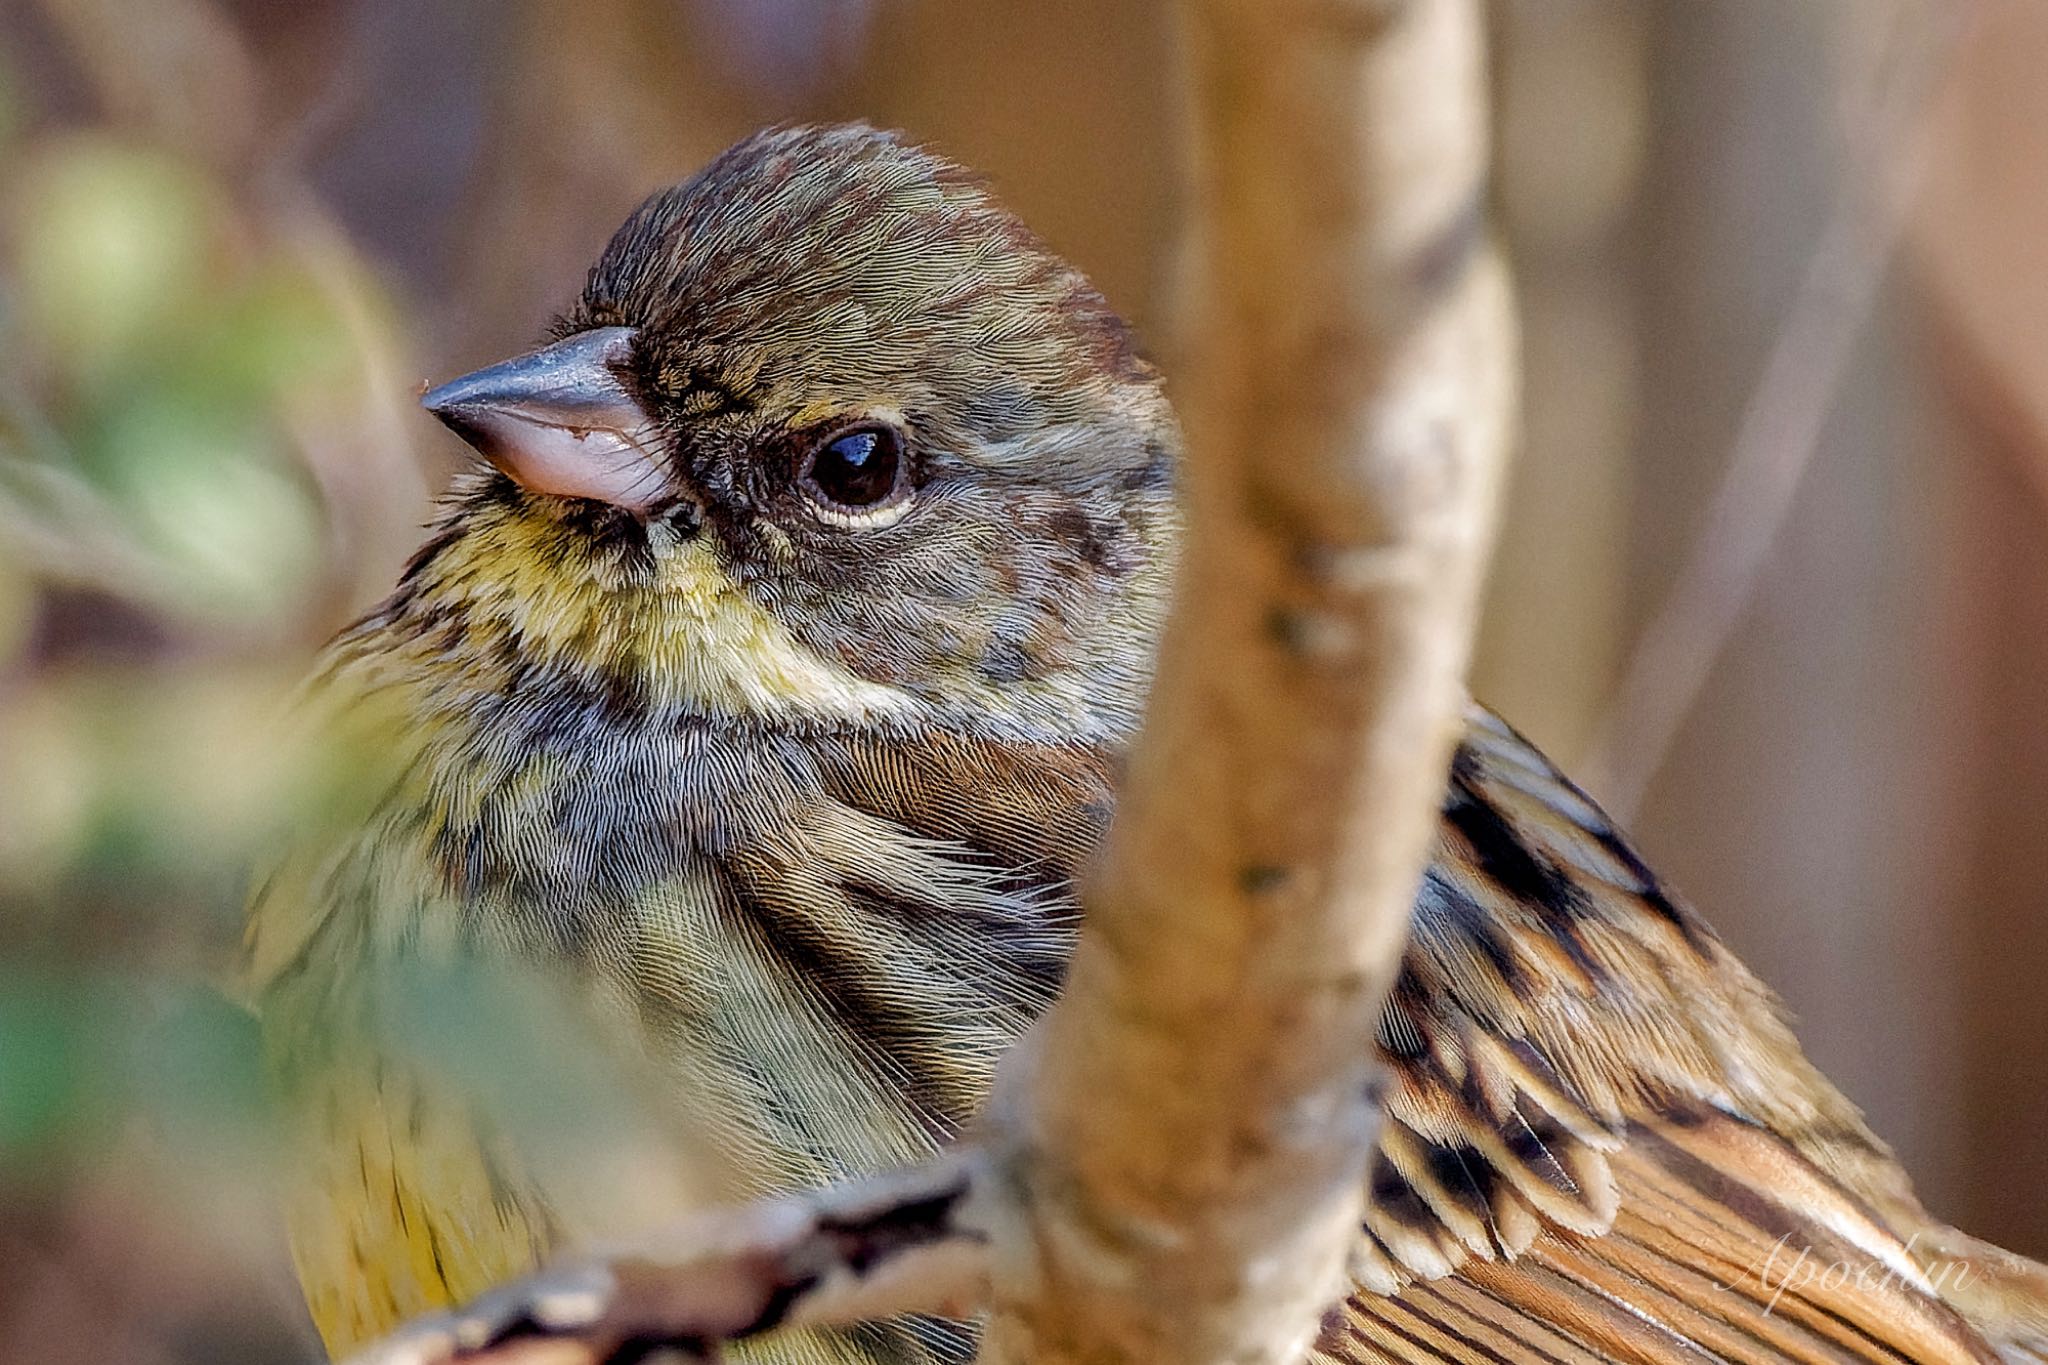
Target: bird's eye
x: 858, y: 477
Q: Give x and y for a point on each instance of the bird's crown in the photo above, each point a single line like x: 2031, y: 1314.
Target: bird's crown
x: 829, y: 437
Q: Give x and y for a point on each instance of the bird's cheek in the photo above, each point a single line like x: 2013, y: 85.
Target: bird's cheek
x: 718, y: 652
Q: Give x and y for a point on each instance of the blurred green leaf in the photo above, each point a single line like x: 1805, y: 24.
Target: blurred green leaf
x: 206, y: 484
x: 518, y: 1045
x: 153, y: 801
x: 82, y: 1050
x: 51, y: 1046
x: 114, y: 247
x: 199, y: 1067
x: 279, y: 333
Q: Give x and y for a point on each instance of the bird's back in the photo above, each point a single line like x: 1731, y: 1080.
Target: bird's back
x: 1603, y: 1142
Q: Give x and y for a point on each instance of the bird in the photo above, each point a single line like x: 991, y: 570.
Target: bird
x: 758, y: 698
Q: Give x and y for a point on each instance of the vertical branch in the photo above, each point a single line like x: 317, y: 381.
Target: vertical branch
x: 1183, y: 1141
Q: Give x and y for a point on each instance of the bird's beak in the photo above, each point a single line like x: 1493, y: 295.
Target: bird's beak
x: 557, y: 420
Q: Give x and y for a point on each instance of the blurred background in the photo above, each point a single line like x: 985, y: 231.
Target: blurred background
x: 1774, y: 575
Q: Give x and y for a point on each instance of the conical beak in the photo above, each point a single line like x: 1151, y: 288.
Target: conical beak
x: 557, y: 420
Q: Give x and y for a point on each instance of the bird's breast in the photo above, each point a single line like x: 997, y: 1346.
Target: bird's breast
x: 603, y: 955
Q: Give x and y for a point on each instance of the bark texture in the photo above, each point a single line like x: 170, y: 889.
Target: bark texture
x: 1183, y: 1140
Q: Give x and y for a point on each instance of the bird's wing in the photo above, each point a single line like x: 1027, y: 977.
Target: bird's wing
x: 1599, y: 1125
x: 1727, y: 1246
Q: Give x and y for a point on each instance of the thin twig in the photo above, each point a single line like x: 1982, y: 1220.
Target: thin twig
x: 69, y: 533
x: 902, y: 1243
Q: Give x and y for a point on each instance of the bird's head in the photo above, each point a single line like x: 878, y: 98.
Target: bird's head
x: 829, y: 437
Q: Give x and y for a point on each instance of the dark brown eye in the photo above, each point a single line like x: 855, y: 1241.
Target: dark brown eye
x: 858, y: 476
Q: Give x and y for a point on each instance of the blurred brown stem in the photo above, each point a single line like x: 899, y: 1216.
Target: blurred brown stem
x: 1782, y: 425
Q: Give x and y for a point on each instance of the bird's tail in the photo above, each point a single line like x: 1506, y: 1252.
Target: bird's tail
x: 2003, y: 1296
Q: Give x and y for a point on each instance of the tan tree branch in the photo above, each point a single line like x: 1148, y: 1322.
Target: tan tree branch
x: 1188, y: 1129
x: 1173, y: 1165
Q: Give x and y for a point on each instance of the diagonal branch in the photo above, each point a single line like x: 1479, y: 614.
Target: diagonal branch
x: 900, y: 1243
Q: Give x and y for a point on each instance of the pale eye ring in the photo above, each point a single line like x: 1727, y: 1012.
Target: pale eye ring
x: 858, y: 476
